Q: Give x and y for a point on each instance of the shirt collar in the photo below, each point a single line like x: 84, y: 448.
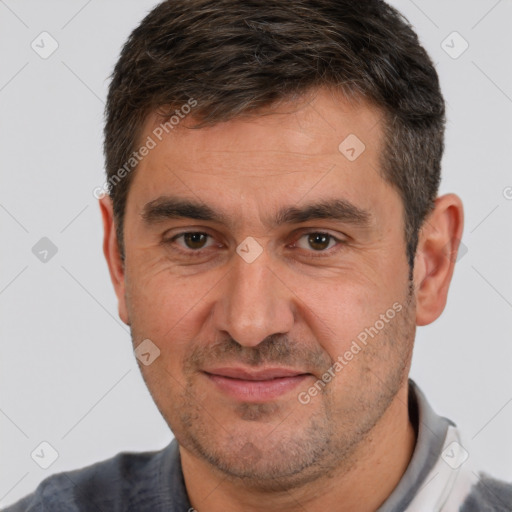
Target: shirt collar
x: 431, y: 432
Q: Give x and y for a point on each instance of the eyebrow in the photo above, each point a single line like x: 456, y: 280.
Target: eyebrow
x: 169, y: 207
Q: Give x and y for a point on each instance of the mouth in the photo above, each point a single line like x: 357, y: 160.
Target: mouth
x: 255, y: 385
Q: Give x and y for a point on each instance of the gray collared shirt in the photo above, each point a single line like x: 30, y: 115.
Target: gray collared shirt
x: 439, y: 478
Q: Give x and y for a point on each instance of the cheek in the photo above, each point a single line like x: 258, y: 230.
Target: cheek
x: 338, y: 312
x: 168, y: 308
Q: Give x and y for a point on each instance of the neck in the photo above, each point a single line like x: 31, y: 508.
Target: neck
x: 378, y: 464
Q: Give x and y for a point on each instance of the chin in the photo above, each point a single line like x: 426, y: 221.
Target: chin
x: 263, y: 457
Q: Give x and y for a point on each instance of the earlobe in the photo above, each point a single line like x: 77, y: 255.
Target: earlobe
x: 111, y: 252
x: 436, y: 254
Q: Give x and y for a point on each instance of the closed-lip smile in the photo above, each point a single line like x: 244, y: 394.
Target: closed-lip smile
x: 255, y: 385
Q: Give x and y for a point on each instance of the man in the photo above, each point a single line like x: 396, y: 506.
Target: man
x: 274, y: 236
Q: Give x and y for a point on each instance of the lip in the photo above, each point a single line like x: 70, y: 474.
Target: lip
x: 255, y: 385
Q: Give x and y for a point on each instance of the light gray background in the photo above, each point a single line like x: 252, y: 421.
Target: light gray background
x: 68, y: 375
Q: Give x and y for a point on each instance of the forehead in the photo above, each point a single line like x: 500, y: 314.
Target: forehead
x: 310, y: 147
x: 316, y: 123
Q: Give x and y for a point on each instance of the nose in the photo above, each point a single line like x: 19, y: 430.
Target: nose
x: 254, y: 303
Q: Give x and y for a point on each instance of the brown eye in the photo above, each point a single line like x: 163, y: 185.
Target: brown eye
x: 319, y: 241
x: 317, y: 244
x: 191, y: 243
x: 194, y: 240
x: 316, y: 241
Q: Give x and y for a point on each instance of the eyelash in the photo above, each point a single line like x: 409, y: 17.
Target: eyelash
x: 199, y: 252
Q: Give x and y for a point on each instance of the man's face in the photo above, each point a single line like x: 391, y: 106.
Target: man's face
x: 249, y: 310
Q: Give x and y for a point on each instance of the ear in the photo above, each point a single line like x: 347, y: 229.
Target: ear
x: 111, y: 252
x: 436, y: 255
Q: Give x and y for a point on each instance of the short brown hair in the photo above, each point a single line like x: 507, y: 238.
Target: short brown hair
x: 239, y: 56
